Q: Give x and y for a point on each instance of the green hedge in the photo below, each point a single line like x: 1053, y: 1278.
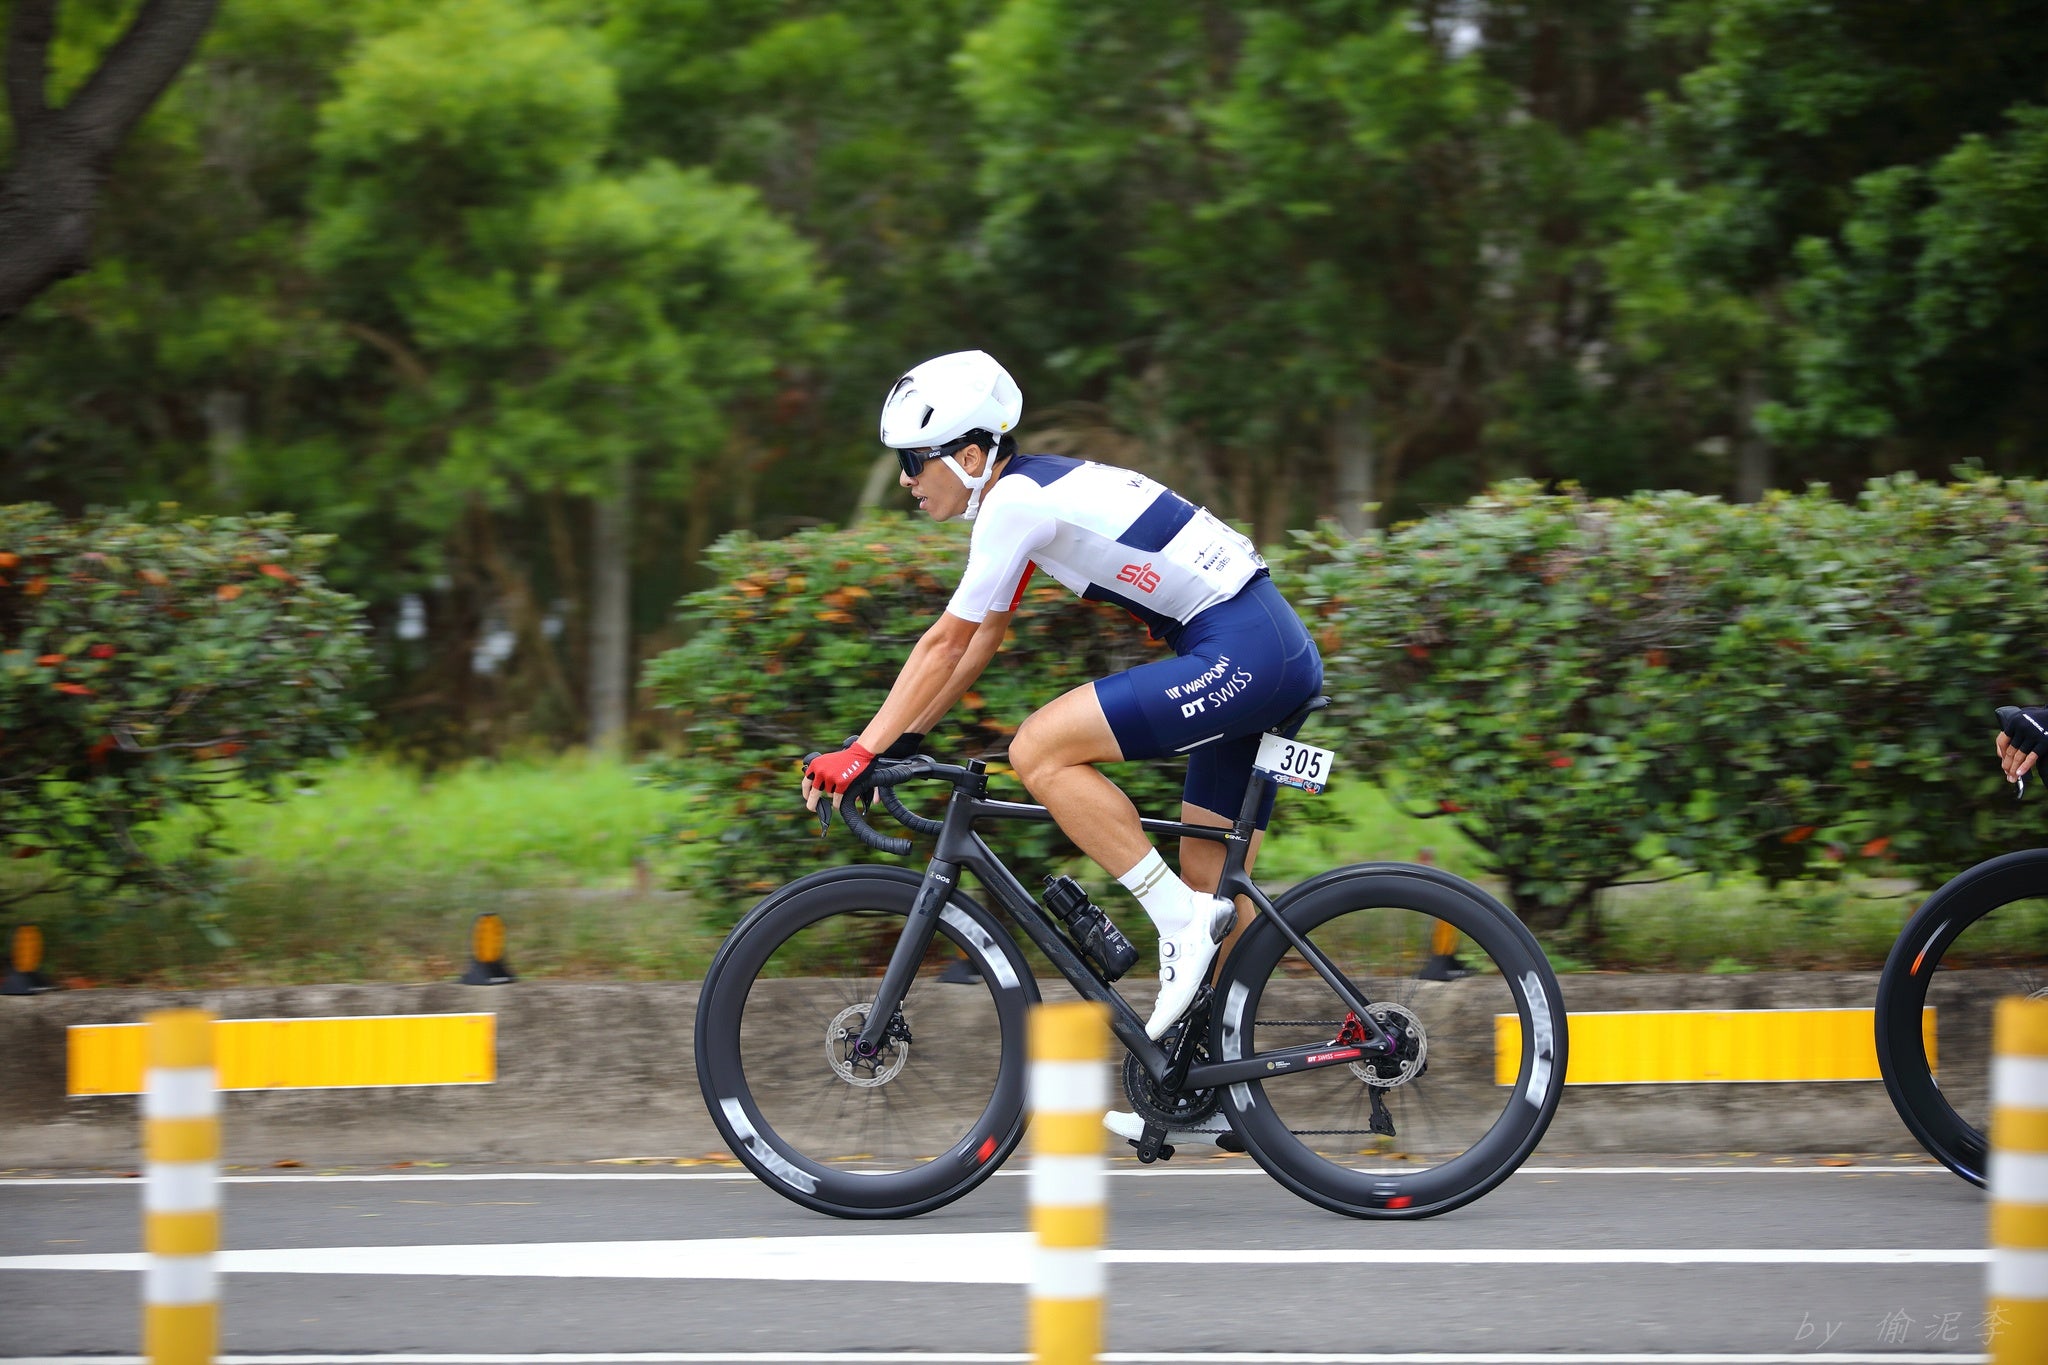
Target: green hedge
x: 149, y: 662
x: 1595, y: 692
x: 1592, y: 689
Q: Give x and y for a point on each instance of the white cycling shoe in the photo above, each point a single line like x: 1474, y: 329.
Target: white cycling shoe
x: 1184, y: 958
x: 1214, y: 1130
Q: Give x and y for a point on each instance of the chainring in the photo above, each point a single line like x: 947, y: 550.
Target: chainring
x: 1184, y: 1110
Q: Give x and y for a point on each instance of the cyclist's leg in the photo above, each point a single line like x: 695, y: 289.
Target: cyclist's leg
x: 1201, y: 867
x: 1054, y: 753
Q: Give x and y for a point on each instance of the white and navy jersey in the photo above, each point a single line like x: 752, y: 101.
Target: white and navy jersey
x: 1109, y: 534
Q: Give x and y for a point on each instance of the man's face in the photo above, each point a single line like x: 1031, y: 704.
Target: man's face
x: 938, y: 490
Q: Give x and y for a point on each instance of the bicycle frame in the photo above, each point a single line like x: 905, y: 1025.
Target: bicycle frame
x: 961, y: 847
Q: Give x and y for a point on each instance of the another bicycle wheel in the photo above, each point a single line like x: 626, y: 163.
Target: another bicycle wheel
x: 1481, y: 1061
x: 917, y: 1126
x: 1981, y: 936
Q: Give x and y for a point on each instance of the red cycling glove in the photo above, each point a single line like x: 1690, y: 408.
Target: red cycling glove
x: 833, y: 773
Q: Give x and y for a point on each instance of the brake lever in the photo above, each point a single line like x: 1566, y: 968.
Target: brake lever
x: 824, y: 801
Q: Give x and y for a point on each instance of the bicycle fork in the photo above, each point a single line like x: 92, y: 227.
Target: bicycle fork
x: 940, y: 879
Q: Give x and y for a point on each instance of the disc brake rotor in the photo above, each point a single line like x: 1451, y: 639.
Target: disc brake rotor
x: 866, y: 1072
x: 1411, y: 1049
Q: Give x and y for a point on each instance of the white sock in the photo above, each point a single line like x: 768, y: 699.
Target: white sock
x: 1166, y: 898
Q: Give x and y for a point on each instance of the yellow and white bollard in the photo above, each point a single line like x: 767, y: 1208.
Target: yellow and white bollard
x: 181, y: 1195
x: 2016, y: 1320
x: 1069, y: 1180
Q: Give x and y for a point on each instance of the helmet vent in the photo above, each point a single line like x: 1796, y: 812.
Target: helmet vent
x: 927, y: 418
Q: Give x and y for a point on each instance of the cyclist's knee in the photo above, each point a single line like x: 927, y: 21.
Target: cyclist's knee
x: 1032, y: 750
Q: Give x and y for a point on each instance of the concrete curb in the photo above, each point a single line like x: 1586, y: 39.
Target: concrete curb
x: 589, y: 1070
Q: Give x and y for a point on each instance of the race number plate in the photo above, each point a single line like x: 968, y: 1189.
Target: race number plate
x: 1294, y: 764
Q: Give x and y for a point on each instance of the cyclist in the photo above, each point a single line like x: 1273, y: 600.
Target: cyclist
x: 1242, y: 661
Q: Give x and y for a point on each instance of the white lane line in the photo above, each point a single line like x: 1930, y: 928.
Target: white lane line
x: 928, y: 1258
x: 1152, y: 1173
x: 1110, y: 1357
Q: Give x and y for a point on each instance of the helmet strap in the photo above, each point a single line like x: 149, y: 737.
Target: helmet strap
x: 974, y: 483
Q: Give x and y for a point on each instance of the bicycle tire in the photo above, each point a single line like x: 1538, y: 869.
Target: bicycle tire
x: 1457, y: 1132
x: 1947, y: 1122
x: 805, y: 1118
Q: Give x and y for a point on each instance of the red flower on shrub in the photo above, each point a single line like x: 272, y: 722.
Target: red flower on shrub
x: 101, y: 651
x: 1450, y: 808
x: 1799, y: 835
x: 1560, y: 760
x: 1877, y: 846
x: 74, y: 689
x: 1418, y: 651
x: 51, y: 660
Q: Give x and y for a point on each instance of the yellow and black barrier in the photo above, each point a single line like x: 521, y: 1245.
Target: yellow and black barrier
x: 181, y: 1191
x: 2016, y: 1315
x: 1069, y: 1089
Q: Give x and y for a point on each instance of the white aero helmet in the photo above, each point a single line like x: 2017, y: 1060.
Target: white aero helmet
x: 945, y: 398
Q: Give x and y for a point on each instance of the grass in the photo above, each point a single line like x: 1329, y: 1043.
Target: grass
x: 377, y: 873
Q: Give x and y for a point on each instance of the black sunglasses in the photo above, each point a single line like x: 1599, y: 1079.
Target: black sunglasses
x: 913, y: 461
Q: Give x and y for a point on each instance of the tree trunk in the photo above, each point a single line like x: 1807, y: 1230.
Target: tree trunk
x: 881, y: 482
x: 611, y: 634
x: 1355, y: 460
x: 227, y: 431
x: 569, y: 591
x: 1753, y: 476
x: 62, y: 156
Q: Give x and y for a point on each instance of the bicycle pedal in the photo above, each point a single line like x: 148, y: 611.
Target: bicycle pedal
x: 1153, y: 1146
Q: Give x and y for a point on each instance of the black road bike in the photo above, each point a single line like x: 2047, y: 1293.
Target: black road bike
x: 1386, y: 1040
x: 1981, y: 936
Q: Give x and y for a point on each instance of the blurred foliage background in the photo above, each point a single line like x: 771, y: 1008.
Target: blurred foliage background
x: 529, y: 301
x: 550, y: 314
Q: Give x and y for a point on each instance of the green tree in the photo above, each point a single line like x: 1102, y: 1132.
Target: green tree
x: 550, y: 326
x: 1923, y: 326
x: 1801, y: 113
x: 62, y: 153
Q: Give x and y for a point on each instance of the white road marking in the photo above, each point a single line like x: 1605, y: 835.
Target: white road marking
x: 1109, y: 1357
x: 1017, y: 1169
x: 925, y: 1258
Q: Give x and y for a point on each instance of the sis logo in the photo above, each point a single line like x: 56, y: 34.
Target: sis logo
x: 1139, y: 576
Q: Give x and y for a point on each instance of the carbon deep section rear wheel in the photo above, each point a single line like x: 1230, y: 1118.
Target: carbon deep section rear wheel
x: 902, y: 1133
x: 1432, y: 1126
x: 1982, y: 935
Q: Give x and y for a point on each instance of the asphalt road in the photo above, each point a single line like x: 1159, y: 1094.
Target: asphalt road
x: 1748, y: 1259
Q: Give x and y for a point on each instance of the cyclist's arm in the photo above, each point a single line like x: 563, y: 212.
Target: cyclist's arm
x: 988, y: 638
x: 926, y: 683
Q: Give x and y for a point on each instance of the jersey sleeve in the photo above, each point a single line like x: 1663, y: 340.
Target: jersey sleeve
x: 999, y: 558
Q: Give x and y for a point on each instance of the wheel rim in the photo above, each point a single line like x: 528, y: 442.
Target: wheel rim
x: 1948, y: 974
x: 938, y: 1106
x: 1456, y: 1129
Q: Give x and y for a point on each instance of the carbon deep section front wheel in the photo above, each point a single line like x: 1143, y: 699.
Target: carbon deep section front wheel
x: 1480, y: 1064
x: 920, y: 1124
x: 1981, y: 936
